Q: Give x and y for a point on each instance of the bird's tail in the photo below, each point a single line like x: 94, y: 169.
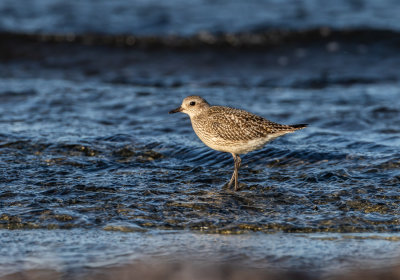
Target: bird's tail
x: 299, y: 126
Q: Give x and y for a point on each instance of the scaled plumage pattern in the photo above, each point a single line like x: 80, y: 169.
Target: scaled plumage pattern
x: 231, y: 130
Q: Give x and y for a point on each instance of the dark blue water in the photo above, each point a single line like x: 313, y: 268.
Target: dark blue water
x: 188, y: 17
x: 90, y: 154
x: 87, y: 147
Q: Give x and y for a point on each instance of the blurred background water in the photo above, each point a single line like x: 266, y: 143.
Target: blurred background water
x: 146, y: 17
x: 89, y: 155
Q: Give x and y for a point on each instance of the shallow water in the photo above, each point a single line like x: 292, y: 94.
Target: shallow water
x: 86, y: 142
x: 75, y: 253
x: 91, y: 155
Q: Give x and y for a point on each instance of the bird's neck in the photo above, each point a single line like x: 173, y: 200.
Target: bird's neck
x: 200, y: 114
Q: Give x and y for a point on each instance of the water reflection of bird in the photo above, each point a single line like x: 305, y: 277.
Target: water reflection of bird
x: 231, y: 130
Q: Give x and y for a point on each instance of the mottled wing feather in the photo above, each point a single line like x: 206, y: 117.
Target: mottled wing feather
x: 234, y: 124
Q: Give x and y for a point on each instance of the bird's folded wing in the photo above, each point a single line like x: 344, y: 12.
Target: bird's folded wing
x: 239, y: 125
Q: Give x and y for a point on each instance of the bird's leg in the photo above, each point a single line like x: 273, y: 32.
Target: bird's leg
x: 238, y: 161
x: 234, y: 172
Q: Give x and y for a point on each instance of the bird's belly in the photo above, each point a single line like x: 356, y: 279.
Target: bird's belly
x: 236, y: 147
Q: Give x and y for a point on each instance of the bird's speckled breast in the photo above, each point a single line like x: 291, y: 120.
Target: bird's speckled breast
x: 207, y: 136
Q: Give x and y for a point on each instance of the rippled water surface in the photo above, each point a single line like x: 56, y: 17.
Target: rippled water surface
x: 95, y: 155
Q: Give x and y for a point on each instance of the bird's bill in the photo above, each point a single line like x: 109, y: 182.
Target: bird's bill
x: 179, y: 109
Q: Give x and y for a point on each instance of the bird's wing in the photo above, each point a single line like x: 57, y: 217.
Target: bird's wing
x: 235, y: 124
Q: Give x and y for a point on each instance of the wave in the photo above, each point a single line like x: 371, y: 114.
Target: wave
x: 241, y: 40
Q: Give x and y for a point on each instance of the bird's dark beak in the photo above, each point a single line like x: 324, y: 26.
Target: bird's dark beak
x: 179, y: 109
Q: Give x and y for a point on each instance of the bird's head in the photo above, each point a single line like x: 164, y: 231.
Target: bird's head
x: 192, y: 105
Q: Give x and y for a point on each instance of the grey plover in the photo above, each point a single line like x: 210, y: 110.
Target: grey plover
x: 231, y: 130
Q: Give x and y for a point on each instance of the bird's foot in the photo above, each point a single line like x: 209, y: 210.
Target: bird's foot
x: 240, y: 186
x: 236, y: 187
x: 231, y: 181
x: 227, y: 186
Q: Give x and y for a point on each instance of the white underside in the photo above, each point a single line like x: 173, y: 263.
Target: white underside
x: 242, y: 147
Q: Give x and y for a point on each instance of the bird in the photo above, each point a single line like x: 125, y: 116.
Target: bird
x: 231, y: 130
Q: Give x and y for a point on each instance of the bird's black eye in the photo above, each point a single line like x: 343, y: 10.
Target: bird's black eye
x: 192, y: 103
